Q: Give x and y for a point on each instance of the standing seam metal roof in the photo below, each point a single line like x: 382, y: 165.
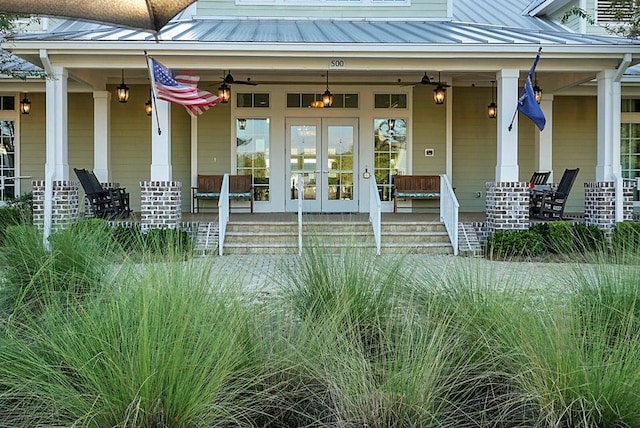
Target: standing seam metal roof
x: 326, y: 31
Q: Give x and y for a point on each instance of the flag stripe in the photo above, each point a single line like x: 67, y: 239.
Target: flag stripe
x: 181, y: 89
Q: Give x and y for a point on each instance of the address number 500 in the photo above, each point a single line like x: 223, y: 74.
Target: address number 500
x: 336, y: 63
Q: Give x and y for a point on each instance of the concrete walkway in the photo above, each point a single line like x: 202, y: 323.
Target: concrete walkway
x: 263, y: 273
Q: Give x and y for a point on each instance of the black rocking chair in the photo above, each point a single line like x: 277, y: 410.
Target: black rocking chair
x: 549, y: 204
x: 104, y: 203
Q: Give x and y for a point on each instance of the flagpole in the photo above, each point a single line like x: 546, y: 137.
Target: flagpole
x: 535, y: 62
x: 153, y: 91
x: 512, y: 119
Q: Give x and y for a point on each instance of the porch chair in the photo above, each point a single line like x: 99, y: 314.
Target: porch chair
x: 552, y: 202
x: 539, y: 178
x: 537, y: 184
x: 104, y: 203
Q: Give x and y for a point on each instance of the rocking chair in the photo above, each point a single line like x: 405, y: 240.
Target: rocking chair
x: 549, y: 204
x: 104, y: 203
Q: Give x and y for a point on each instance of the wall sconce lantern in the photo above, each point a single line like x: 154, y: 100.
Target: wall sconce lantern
x: 537, y: 91
x: 122, y: 91
x: 242, y: 124
x: 327, y: 97
x: 439, y: 94
x: 492, y: 109
x: 224, y: 93
x: 25, y: 105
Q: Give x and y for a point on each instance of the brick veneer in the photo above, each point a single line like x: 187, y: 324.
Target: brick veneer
x: 64, y: 204
x: 160, y: 204
x: 507, y: 206
x: 87, y: 207
x: 600, y: 205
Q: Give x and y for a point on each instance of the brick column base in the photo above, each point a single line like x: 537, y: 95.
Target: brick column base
x: 160, y: 204
x: 600, y: 205
x: 507, y: 206
x: 87, y: 207
x: 64, y: 204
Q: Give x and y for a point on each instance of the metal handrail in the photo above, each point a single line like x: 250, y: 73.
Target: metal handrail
x: 300, y: 187
x: 449, y: 208
x: 375, y: 212
x: 223, y: 213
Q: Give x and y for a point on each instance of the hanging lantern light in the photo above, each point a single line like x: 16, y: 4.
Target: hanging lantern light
x: 224, y: 93
x: 492, y: 109
x: 25, y: 105
x: 327, y: 97
x: 123, y: 91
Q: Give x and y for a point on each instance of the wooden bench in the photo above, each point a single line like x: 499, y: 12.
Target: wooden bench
x: 209, y: 187
x: 415, y: 187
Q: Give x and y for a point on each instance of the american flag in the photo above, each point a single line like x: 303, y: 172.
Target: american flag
x: 181, y: 89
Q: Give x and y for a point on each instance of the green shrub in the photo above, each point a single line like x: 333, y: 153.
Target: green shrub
x: 514, y: 243
x: 626, y: 238
x: 562, y: 237
x: 167, y: 241
x: 589, y: 238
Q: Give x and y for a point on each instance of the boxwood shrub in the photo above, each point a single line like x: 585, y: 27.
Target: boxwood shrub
x: 514, y: 243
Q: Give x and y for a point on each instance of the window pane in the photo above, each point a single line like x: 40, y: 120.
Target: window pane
x: 261, y: 100
x: 293, y: 100
x: 381, y: 101
x: 243, y: 100
x: 351, y: 100
x: 390, y: 152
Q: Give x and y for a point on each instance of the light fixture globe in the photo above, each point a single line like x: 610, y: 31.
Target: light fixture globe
x: 224, y: 93
x: 148, y: 107
x: 439, y: 94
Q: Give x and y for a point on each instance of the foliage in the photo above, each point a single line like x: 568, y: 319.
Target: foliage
x: 33, y: 275
x: 565, y: 238
x: 626, y: 239
x: 9, y: 23
x: 520, y: 243
x: 461, y: 345
x: 626, y: 12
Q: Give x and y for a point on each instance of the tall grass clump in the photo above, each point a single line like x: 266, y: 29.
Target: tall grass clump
x: 406, y: 370
x: 75, y: 263
x: 160, y: 348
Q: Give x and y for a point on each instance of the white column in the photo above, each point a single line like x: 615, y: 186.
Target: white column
x: 57, y: 154
x: 608, y: 161
x: 544, y: 138
x: 507, y: 161
x: 102, y: 135
x: 161, y: 144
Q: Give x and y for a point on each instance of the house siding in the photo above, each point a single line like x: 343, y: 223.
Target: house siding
x: 417, y: 9
x: 575, y: 143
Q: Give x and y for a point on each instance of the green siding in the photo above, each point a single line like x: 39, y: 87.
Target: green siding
x: 32, y: 141
x: 418, y: 8
x: 575, y: 122
x: 474, y: 147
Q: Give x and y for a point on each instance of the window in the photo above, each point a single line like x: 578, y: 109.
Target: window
x: 252, y: 153
x: 389, y: 153
x: 390, y: 101
x: 7, y: 103
x: 296, y: 100
x: 249, y: 100
x: 7, y: 159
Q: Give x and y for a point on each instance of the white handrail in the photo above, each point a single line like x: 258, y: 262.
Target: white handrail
x: 375, y: 212
x: 449, y: 207
x: 300, y: 187
x: 223, y: 213
x: 619, y: 201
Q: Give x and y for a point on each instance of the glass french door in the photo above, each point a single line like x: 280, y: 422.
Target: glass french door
x: 324, y: 151
x: 7, y: 157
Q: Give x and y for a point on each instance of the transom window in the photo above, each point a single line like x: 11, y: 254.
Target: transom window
x: 7, y: 102
x: 250, y: 100
x: 296, y: 100
x: 390, y: 101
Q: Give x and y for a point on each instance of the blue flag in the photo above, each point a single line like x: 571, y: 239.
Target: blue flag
x: 527, y: 103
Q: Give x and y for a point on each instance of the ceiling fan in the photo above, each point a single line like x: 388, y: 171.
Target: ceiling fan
x: 426, y: 80
x: 229, y: 80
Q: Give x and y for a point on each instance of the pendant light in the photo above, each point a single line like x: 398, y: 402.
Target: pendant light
x: 123, y: 91
x: 25, y: 105
x: 148, y: 107
x: 224, y: 93
x: 439, y: 93
x: 327, y: 97
x: 537, y: 91
x: 492, y: 109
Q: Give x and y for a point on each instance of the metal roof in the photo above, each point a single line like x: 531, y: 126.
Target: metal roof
x: 508, y: 13
x: 325, y: 31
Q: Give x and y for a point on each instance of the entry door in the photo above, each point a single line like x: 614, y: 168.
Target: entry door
x: 325, y: 152
x: 7, y: 155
